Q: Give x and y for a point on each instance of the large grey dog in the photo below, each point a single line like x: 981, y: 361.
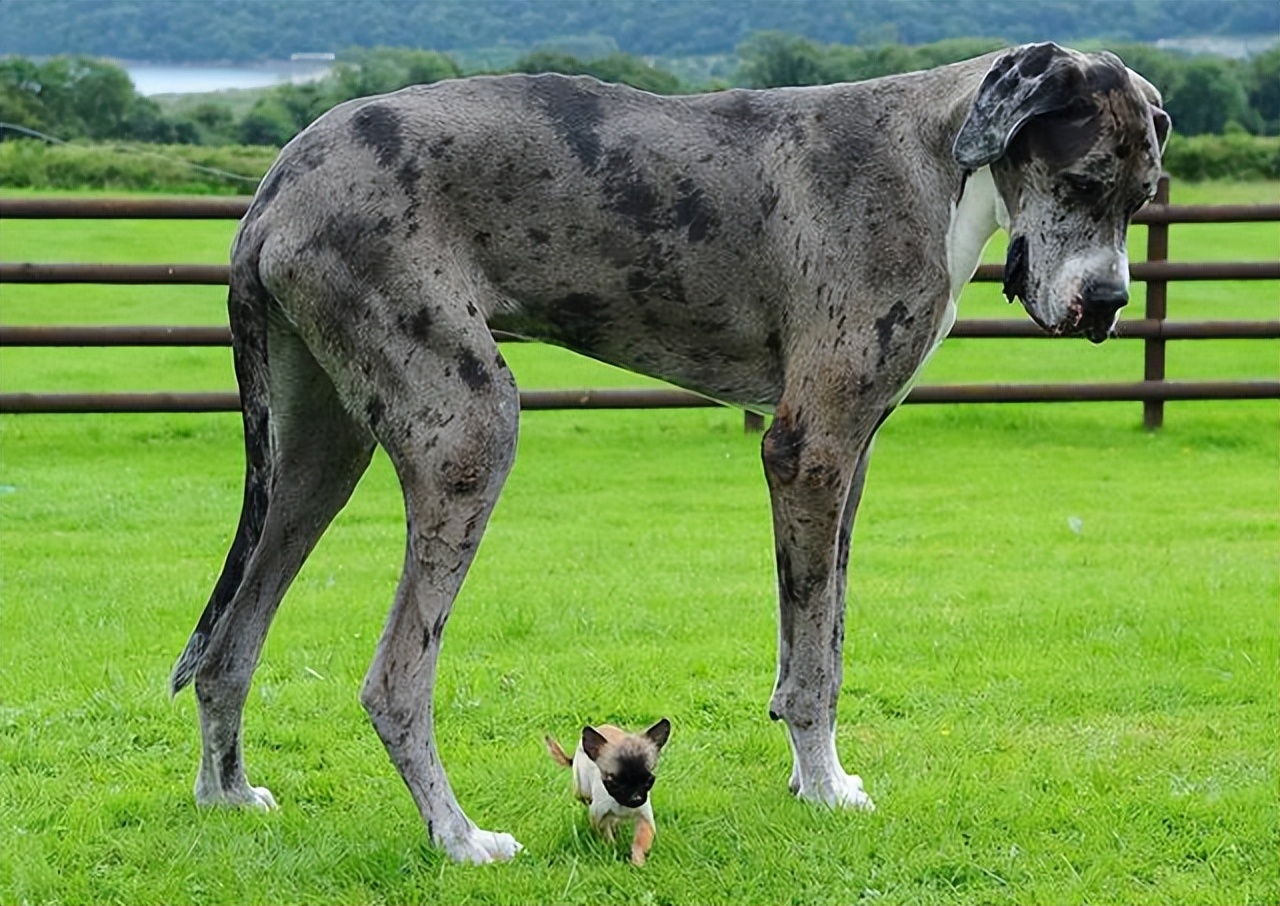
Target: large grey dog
x: 798, y: 251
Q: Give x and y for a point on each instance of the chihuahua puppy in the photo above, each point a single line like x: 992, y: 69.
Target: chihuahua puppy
x: 612, y: 774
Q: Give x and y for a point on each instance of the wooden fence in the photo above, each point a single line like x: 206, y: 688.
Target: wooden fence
x: 1153, y: 329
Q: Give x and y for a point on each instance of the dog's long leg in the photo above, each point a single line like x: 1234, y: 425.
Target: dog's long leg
x: 317, y: 453
x: 815, y: 470
x: 448, y: 419
x: 844, y: 543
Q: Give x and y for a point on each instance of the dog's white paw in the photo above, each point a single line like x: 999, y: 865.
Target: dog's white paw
x: 262, y: 799
x: 253, y: 797
x: 480, y: 847
x: 839, y: 791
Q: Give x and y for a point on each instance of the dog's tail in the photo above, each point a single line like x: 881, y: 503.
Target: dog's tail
x: 248, y: 305
x: 557, y: 753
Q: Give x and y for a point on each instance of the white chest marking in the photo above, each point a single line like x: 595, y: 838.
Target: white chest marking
x: 974, y: 219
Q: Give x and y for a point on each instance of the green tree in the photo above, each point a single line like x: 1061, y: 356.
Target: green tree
x: 87, y: 97
x: 1264, y: 89
x: 214, y: 123
x: 616, y: 67
x: 953, y: 50
x: 268, y: 123
x: 1206, y: 96
x: 378, y: 70
x: 20, y: 102
x: 1159, y: 67
x: 773, y: 59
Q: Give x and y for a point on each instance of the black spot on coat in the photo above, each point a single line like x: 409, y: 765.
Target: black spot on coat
x: 630, y: 196
x: 417, y: 325
x: 378, y: 126
x: 897, y: 316
x: 694, y: 212
x: 472, y: 370
x: 574, y: 113
x: 781, y: 448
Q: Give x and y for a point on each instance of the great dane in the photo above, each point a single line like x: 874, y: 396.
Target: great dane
x: 797, y: 251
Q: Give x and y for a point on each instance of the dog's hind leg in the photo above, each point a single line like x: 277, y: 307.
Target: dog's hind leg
x: 815, y: 465
x: 444, y: 405
x: 315, y: 454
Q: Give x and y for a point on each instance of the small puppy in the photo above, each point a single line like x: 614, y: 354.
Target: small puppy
x: 612, y: 774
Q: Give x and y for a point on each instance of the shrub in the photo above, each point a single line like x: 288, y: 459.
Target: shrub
x: 1233, y: 156
x: 25, y: 163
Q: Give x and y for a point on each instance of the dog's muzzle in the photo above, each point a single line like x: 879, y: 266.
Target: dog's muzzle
x: 1099, y: 306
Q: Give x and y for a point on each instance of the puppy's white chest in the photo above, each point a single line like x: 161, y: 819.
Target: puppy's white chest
x: 589, y: 785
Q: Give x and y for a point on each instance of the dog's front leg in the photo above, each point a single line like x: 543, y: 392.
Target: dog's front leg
x: 603, y: 820
x: 814, y: 470
x: 642, y: 841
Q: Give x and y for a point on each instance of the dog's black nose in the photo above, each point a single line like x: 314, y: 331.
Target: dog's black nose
x: 1098, y: 309
x: 1102, y: 301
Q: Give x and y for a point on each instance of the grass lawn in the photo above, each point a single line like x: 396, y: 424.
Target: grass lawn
x: 1062, y: 668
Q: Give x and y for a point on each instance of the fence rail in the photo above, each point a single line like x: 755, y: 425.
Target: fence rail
x: 217, y: 274
x: 534, y: 400
x: 198, y: 207
x: 53, y: 336
x: 1153, y: 329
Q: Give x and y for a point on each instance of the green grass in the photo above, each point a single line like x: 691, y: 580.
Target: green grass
x: 1042, y: 715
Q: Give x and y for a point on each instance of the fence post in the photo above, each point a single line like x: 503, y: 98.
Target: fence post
x: 1157, y: 299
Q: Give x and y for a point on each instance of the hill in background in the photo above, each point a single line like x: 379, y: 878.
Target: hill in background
x: 254, y: 30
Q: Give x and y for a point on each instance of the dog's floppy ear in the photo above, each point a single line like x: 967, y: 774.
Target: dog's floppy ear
x: 1025, y: 82
x: 1155, y: 103
x: 592, y: 742
x: 659, y: 733
x: 1163, y: 126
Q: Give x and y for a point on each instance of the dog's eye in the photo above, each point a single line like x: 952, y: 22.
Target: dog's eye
x: 1086, y: 186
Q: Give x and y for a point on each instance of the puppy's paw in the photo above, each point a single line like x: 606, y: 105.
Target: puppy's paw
x: 480, y: 847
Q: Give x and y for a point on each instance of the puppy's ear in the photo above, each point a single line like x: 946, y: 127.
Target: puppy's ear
x: 592, y: 742
x: 659, y: 733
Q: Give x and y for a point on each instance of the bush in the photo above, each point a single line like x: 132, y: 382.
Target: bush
x: 1234, y: 156
x: 136, y: 167
x: 29, y: 164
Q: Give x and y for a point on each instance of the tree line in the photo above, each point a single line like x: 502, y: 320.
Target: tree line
x: 1225, y: 103
x: 81, y: 97
x: 249, y: 30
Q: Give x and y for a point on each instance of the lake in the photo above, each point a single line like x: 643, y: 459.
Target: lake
x: 167, y: 78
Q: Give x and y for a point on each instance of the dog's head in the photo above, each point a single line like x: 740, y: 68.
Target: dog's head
x: 1074, y: 143
x: 627, y: 766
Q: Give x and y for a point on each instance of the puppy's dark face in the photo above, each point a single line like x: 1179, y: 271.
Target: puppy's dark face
x: 628, y: 778
x: 627, y: 766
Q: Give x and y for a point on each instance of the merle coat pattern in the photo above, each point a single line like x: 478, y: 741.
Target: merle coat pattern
x: 796, y: 251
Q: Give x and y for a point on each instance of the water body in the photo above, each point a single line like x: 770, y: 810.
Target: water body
x: 166, y: 78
